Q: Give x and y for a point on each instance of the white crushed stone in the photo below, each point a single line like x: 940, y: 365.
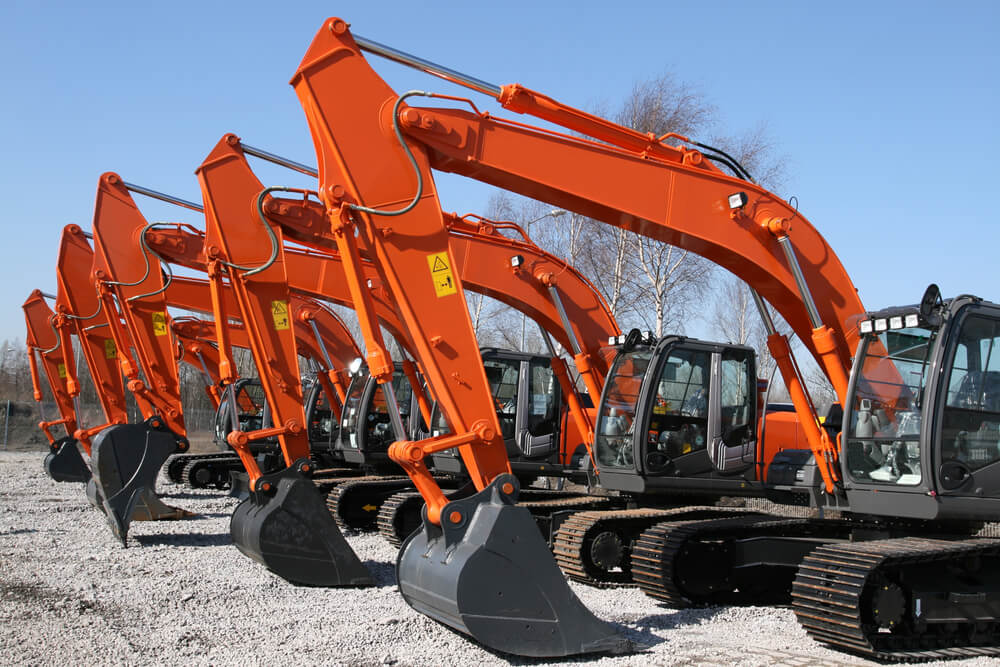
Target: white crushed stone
x: 181, y: 594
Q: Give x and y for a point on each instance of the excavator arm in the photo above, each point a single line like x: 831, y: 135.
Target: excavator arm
x: 63, y: 463
x: 284, y: 524
x: 478, y: 565
x: 130, y: 282
x: 43, y: 342
x: 79, y: 312
x: 124, y: 477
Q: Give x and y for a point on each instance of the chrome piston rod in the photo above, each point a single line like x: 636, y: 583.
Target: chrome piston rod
x: 557, y: 300
x: 177, y: 201
x: 322, y: 345
x: 277, y: 159
x: 427, y: 66
x: 800, y: 281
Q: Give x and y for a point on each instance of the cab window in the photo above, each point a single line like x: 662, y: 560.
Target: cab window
x: 883, y: 443
x: 615, y: 421
x: 737, y: 397
x: 971, y: 424
x: 543, y: 406
x: 678, y: 424
x: 503, y: 374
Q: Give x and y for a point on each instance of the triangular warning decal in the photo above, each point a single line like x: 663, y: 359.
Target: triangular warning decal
x: 439, y: 264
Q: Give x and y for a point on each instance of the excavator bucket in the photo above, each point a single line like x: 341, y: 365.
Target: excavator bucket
x: 126, y: 459
x: 65, y: 463
x: 284, y: 525
x: 239, y: 485
x: 487, y: 572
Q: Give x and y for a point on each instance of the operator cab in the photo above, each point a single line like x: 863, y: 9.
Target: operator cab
x: 249, y: 412
x: 324, y: 426
x: 922, y: 435
x: 677, y: 413
x: 528, y: 403
x: 365, y: 427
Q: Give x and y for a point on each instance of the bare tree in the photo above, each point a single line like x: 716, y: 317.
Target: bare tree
x: 678, y: 281
x: 735, y: 319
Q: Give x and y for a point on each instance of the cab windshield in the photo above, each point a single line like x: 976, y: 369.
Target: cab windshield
x: 613, y: 439
x: 884, y: 437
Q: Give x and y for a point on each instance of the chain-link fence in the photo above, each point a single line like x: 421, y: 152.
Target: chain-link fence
x: 19, y: 425
x: 19, y: 422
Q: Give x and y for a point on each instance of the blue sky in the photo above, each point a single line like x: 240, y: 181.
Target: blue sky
x: 885, y: 111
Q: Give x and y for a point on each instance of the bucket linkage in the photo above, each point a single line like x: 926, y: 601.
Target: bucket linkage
x: 126, y: 459
x: 284, y: 525
x: 486, y: 572
x: 65, y: 462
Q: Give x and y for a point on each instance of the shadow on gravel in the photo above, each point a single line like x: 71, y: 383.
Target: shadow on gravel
x: 185, y: 540
x: 677, y: 619
x: 384, y: 574
x: 22, y: 592
x: 18, y: 531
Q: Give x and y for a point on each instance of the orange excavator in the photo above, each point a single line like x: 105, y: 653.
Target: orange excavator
x: 63, y: 463
x: 127, y: 458
x: 910, y: 470
x: 79, y: 311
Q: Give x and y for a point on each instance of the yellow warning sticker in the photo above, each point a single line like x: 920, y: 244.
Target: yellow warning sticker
x: 110, y: 351
x: 441, y: 276
x: 62, y: 371
x: 159, y: 323
x: 279, y: 312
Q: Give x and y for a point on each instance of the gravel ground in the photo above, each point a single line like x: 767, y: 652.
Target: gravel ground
x: 182, y: 594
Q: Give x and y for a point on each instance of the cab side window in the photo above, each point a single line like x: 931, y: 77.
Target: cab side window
x: 543, y: 405
x: 971, y: 424
x: 737, y: 397
x: 503, y: 376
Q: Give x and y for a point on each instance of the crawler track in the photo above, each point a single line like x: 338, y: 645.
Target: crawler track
x: 688, y: 563
x: 202, y: 473
x: 595, y: 548
x: 175, y: 464
x: 892, y: 599
x: 400, y: 513
x: 355, y: 502
x: 399, y: 516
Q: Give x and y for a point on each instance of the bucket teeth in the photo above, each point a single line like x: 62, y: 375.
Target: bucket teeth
x: 65, y: 462
x: 289, y: 530
x: 487, y: 572
x: 126, y: 460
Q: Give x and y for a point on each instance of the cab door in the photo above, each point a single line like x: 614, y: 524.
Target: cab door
x: 677, y: 416
x: 968, y: 455
x: 732, y: 410
x: 539, y: 409
x: 504, y: 377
